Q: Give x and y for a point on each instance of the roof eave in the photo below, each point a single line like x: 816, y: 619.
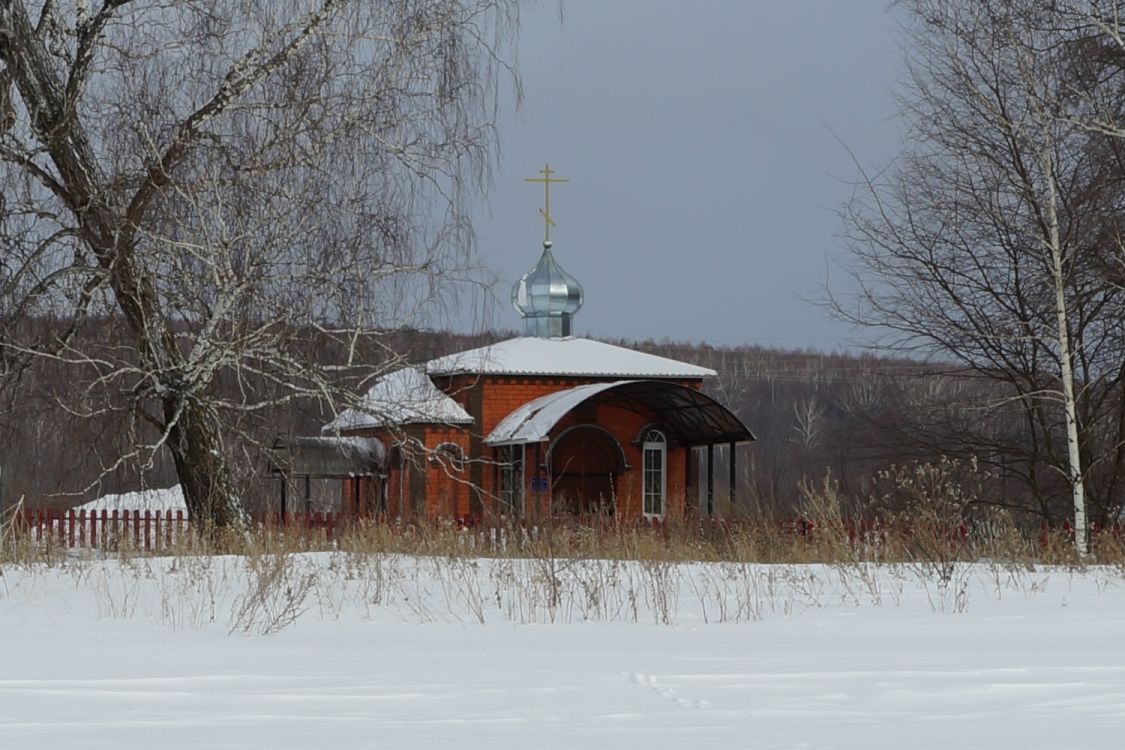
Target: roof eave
x: 577, y: 374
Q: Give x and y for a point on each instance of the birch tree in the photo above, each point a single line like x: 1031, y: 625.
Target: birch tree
x: 981, y: 244
x: 214, y: 182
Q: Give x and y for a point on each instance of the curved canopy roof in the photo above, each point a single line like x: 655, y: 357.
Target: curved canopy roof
x: 692, y: 417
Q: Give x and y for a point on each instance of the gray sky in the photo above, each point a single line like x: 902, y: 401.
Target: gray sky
x: 705, y: 178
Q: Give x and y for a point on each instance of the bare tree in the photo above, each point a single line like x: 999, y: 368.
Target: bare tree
x: 981, y: 245
x: 808, y: 424
x: 217, y: 182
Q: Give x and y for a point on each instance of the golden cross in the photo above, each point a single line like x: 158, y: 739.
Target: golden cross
x: 545, y: 212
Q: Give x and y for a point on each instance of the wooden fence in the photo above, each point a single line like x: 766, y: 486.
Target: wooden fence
x: 149, y: 530
x: 162, y: 531
x: 105, y: 529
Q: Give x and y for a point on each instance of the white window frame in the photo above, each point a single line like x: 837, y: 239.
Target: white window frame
x: 654, y: 442
x: 511, y: 480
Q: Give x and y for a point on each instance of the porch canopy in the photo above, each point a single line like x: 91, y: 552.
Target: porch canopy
x: 692, y: 418
x: 327, y: 457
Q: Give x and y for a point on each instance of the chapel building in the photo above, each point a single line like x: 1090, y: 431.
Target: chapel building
x: 543, y: 425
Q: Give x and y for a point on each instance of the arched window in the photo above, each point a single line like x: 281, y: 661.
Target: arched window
x: 655, y: 473
x: 450, y: 455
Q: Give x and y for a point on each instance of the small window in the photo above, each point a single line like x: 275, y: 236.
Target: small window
x: 510, y: 458
x: 449, y: 455
x: 655, y: 473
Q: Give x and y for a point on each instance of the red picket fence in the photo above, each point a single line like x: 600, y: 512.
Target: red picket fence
x: 159, y: 531
x: 152, y: 531
x: 104, y: 529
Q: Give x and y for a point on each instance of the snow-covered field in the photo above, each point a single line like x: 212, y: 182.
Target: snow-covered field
x: 338, y: 651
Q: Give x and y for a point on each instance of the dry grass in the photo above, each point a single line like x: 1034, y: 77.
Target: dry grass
x: 934, y: 518
x: 831, y: 538
x: 258, y: 583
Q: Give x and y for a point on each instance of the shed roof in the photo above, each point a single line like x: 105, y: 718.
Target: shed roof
x: 569, y: 356
x: 327, y: 457
x: 693, y: 418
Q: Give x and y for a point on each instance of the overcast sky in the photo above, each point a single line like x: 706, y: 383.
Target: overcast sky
x: 705, y: 177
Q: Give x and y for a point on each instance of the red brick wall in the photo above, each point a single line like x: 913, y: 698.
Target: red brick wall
x: 501, y: 395
x: 419, y: 485
x: 447, y: 487
x: 626, y: 427
x: 430, y: 489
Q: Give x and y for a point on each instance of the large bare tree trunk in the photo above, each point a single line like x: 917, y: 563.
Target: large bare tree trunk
x: 223, y: 180
x: 191, y: 434
x: 202, y: 467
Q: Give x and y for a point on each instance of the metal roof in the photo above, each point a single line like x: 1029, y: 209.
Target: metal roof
x: 692, y: 417
x: 405, y: 396
x: 326, y: 457
x: 569, y: 356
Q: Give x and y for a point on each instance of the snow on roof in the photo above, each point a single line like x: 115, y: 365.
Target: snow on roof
x: 563, y: 356
x: 170, y: 498
x: 693, y: 417
x: 532, y: 422
x: 327, y: 456
x: 405, y: 396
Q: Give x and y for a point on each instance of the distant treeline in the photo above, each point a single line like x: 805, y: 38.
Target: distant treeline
x: 855, y: 421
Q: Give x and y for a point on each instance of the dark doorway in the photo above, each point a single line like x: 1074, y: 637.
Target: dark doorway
x: 585, y: 463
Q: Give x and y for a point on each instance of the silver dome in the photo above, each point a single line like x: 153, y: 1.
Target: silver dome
x: 547, y: 297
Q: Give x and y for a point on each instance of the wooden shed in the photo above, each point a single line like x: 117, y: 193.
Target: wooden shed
x: 359, y: 461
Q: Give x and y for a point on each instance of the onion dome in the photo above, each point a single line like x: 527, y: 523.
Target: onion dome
x: 547, y: 297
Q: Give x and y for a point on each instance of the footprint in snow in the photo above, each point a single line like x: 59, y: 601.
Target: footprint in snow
x: 652, y: 683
